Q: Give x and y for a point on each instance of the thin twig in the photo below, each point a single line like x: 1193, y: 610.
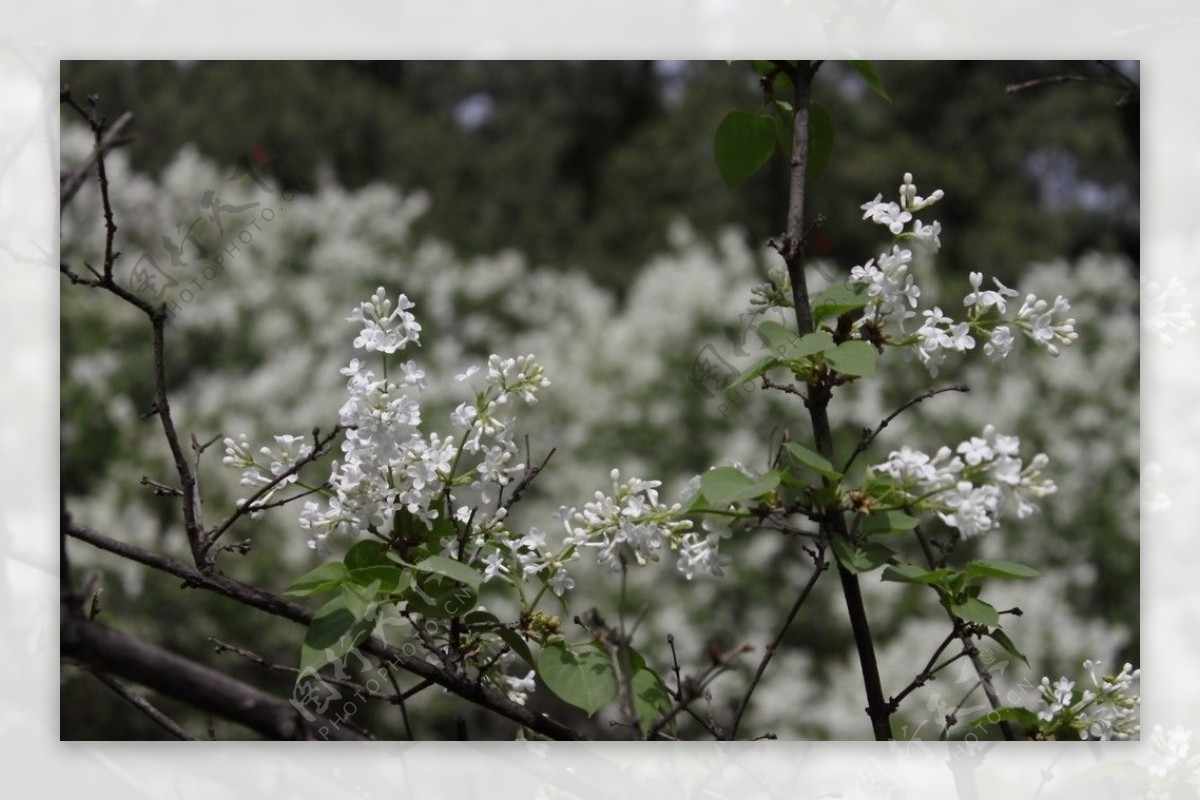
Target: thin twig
x: 142, y: 705
x: 319, y: 449
x: 530, y: 474
x: 408, y: 735
x: 819, y: 566
x: 952, y: 715
x: 926, y: 672
x: 869, y: 436
x: 221, y: 646
x: 70, y: 184
x: 964, y: 634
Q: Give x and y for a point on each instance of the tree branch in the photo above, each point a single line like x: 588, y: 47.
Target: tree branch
x: 100, y: 647
x: 282, y: 607
x: 833, y: 524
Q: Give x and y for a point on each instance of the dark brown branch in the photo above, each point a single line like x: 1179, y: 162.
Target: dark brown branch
x: 142, y: 705
x: 833, y: 524
x: 869, y: 436
x: 102, y: 648
x: 282, y: 607
x: 70, y: 184
x: 192, y: 525
x: 819, y: 567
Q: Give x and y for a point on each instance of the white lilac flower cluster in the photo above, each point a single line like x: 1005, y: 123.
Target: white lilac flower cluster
x: 631, y: 525
x: 893, y: 295
x: 969, y: 485
x: 389, y: 464
x: 1108, y: 710
x: 275, y: 462
x: 890, y: 285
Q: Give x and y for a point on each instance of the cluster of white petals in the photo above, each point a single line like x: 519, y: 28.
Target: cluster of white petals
x: 265, y: 468
x: 389, y: 463
x: 631, y: 525
x: 970, y: 485
x: 893, y: 295
x: 1108, y: 710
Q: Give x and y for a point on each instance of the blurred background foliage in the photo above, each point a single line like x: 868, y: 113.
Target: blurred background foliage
x: 583, y: 165
x: 573, y: 210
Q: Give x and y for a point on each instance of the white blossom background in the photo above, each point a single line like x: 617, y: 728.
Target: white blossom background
x: 34, y: 37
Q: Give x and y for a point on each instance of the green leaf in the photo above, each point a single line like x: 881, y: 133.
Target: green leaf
x: 974, y: 610
x: 811, y: 459
x: 650, y: 696
x: 891, y: 522
x: 743, y: 144
x: 326, y: 577
x: 911, y: 574
x: 1011, y: 714
x: 808, y: 344
x: 853, y: 358
x: 776, y: 337
x: 389, y: 577
x: 1000, y: 637
x: 761, y: 366
x: 451, y: 569
x: 871, y: 76
x: 698, y: 501
x: 1000, y: 569
x: 725, y: 485
x: 436, y: 597
x: 861, y: 558
x: 361, y: 601
x: 820, y: 140
x: 334, y: 631
x: 585, y: 680
x: 480, y: 617
x: 366, y: 553
x: 839, y: 299
x: 517, y: 644
x: 786, y: 346
x: 785, y: 125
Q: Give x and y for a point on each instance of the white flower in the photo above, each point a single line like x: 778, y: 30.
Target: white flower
x: 980, y: 300
x: 975, y: 450
x: 385, y: 329
x: 494, y: 566
x: 928, y: 233
x: 560, y: 582
x: 909, y: 198
x: 1047, y: 325
x: 628, y: 526
x: 519, y: 688
x: 1000, y: 342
